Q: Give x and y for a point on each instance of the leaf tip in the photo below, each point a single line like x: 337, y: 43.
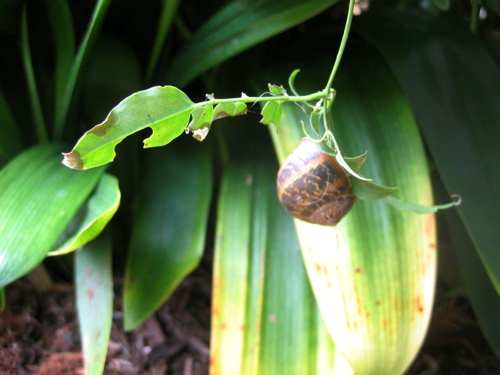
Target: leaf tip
x: 73, y: 160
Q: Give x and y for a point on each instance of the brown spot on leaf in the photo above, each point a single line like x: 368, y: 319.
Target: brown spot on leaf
x: 358, y: 270
x: 223, y: 114
x: 90, y: 295
x: 73, y: 160
x: 419, y: 306
x: 377, y: 303
x: 101, y: 129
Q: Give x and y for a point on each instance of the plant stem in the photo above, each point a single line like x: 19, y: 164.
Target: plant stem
x: 343, y: 43
x: 259, y: 99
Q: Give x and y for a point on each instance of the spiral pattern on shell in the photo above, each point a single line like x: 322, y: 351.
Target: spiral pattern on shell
x: 313, y: 186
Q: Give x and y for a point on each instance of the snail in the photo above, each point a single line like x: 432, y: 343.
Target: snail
x: 313, y: 186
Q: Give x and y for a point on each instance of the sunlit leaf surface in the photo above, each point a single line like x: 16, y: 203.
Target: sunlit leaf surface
x: 92, y: 216
x: 264, y: 318
x: 38, y: 199
x: 165, y: 110
x: 373, y: 274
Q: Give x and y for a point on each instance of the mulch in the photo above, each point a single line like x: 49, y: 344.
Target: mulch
x: 39, y: 335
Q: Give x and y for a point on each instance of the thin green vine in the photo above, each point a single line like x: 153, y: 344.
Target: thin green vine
x: 343, y: 43
x: 261, y: 99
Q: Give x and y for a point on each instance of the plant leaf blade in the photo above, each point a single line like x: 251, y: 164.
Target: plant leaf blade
x: 373, y: 274
x: 164, y: 109
x: 98, y: 211
x: 460, y: 128
x: 94, y: 298
x: 255, y: 301
x: 169, y: 227
x: 236, y: 28
x: 38, y: 198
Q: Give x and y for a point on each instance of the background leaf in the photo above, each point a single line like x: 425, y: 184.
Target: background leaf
x: 94, y: 297
x: 103, y: 85
x: 93, y: 216
x: 93, y: 30
x: 441, y: 66
x: 169, y: 228
x: 235, y: 28
x: 10, y: 137
x: 63, y: 37
x: 36, y: 106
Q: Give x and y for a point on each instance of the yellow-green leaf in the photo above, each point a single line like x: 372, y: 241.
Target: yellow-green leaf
x: 373, y: 274
x: 93, y: 216
x: 264, y: 318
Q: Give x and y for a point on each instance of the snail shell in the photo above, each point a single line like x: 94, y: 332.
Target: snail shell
x: 313, y: 186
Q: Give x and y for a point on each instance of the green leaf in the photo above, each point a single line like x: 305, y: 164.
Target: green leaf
x: 271, y: 113
x: 373, y: 275
x: 255, y: 299
x: 235, y: 28
x: 452, y: 83
x: 10, y: 136
x: 480, y: 290
x: 96, y: 212
x: 369, y: 190
x: 276, y: 90
x: 36, y: 106
x: 168, y: 233
x: 201, y: 120
x: 103, y: 85
x: 94, y: 299
x: 230, y: 109
x: 65, y: 98
x: 443, y: 5
x: 419, y: 209
x: 63, y: 37
x: 494, y: 5
x: 356, y: 162
x: 169, y: 11
x: 368, y: 182
x: 165, y: 110
x: 38, y: 199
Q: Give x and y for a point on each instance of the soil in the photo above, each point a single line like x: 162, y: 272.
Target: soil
x: 39, y: 335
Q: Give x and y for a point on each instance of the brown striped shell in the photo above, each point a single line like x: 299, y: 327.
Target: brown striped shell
x: 313, y: 187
